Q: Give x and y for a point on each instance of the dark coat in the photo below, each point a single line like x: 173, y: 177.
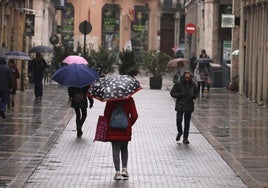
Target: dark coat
x: 38, y: 67
x: 15, y: 76
x: 5, y: 76
x: 185, y: 93
x: 129, y: 107
x: 84, y: 103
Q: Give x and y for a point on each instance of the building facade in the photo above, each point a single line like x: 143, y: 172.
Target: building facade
x: 119, y: 24
x: 253, y: 51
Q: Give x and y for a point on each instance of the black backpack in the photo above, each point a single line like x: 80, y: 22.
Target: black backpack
x: 78, y: 96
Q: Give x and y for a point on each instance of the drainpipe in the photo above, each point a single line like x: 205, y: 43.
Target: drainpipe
x: 2, y: 19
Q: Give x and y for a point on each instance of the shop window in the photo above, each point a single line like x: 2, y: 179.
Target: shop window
x: 110, y: 26
x: 140, y: 29
x: 67, y: 32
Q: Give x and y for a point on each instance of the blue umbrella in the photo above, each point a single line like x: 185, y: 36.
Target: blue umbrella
x: 75, y: 75
x: 17, y: 55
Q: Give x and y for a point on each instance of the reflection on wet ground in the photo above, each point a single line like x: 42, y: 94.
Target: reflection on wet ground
x: 235, y: 127
x: 240, y: 127
x: 30, y: 129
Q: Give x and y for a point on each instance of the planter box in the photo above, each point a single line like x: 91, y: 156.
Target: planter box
x: 156, y: 82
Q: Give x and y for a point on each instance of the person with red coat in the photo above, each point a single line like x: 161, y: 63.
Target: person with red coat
x: 119, y: 138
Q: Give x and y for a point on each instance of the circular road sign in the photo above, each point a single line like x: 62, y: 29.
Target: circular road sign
x: 85, y: 27
x: 190, y: 28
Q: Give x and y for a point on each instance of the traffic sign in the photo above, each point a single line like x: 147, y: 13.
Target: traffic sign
x: 85, y: 27
x: 190, y: 28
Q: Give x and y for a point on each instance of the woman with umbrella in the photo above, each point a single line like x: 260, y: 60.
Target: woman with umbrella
x: 117, y: 91
x: 79, y: 103
x: 15, y: 76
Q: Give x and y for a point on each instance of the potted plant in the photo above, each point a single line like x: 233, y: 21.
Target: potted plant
x: 156, y: 64
x: 103, y: 60
x: 128, y: 65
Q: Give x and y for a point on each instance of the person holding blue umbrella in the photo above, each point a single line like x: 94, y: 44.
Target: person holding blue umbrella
x: 77, y: 77
x: 80, y: 103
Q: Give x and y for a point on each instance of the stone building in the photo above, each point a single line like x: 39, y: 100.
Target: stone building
x: 245, y: 32
x: 253, y: 51
x: 24, y: 24
x: 145, y: 24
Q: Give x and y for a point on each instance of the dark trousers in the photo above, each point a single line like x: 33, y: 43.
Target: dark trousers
x: 202, y: 85
x: 4, y: 97
x: 120, y: 146
x: 38, y: 86
x: 81, y: 114
x: 187, y: 118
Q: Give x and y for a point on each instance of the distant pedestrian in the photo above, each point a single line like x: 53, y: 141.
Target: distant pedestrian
x: 5, y: 86
x: 119, y: 138
x: 201, y: 75
x: 178, y: 54
x: 185, y: 92
x: 192, y: 63
x: 179, y: 71
x: 37, y: 71
x: 15, y: 76
x: 79, y: 101
x: 208, y: 80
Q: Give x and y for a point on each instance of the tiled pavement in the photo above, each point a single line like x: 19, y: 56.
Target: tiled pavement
x: 155, y: 159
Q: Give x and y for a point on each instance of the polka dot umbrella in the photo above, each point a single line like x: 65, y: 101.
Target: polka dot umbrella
x: 114, y: 87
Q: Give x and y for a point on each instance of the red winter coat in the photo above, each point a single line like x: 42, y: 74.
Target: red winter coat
x: 130, y: 109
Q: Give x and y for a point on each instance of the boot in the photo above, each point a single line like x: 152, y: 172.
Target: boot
x: 79, y: 132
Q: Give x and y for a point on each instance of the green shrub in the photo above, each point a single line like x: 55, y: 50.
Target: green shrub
x: 128, y: 65
x: 155, y: 63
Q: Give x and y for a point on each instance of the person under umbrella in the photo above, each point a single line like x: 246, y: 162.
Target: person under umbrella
x: 5, y: 85
x: 15, y: 76
x: 79, y: 103
x: 37, y: 70
x: 77, y: 77
x: 117, y: 91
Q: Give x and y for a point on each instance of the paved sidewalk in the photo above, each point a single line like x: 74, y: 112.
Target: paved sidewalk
x: 155, y: 159
x: 39, y: 148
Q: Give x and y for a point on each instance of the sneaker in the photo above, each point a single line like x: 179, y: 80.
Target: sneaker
x: 117, y: 176
x: 186, y: 141
x: 178, y: 137
x: 125, y: 174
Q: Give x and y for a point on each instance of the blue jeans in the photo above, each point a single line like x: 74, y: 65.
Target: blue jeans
x: 187, y: 118
x: 4, y: 95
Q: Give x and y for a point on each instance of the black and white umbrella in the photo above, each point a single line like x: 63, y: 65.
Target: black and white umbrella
x: 114, y: 87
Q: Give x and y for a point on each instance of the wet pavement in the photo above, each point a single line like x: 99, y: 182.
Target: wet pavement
x: 228, y: 135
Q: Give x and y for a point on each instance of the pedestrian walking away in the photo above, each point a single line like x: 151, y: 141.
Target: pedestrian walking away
x: 15, y: 76
x: 5, y: 86
x: 79, y: 102
x: 119, y: 137
x: 185, y: 92
x: 37, y: 69
x: 208, y: 80
x: 201, y: 75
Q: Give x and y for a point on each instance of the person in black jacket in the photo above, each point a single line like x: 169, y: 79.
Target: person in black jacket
x: 79, y: 102
x: 37, y: 70
x: 5, y: 86
x: 185, y: 92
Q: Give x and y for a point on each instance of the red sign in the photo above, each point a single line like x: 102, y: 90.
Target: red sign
x: 190, y: 28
